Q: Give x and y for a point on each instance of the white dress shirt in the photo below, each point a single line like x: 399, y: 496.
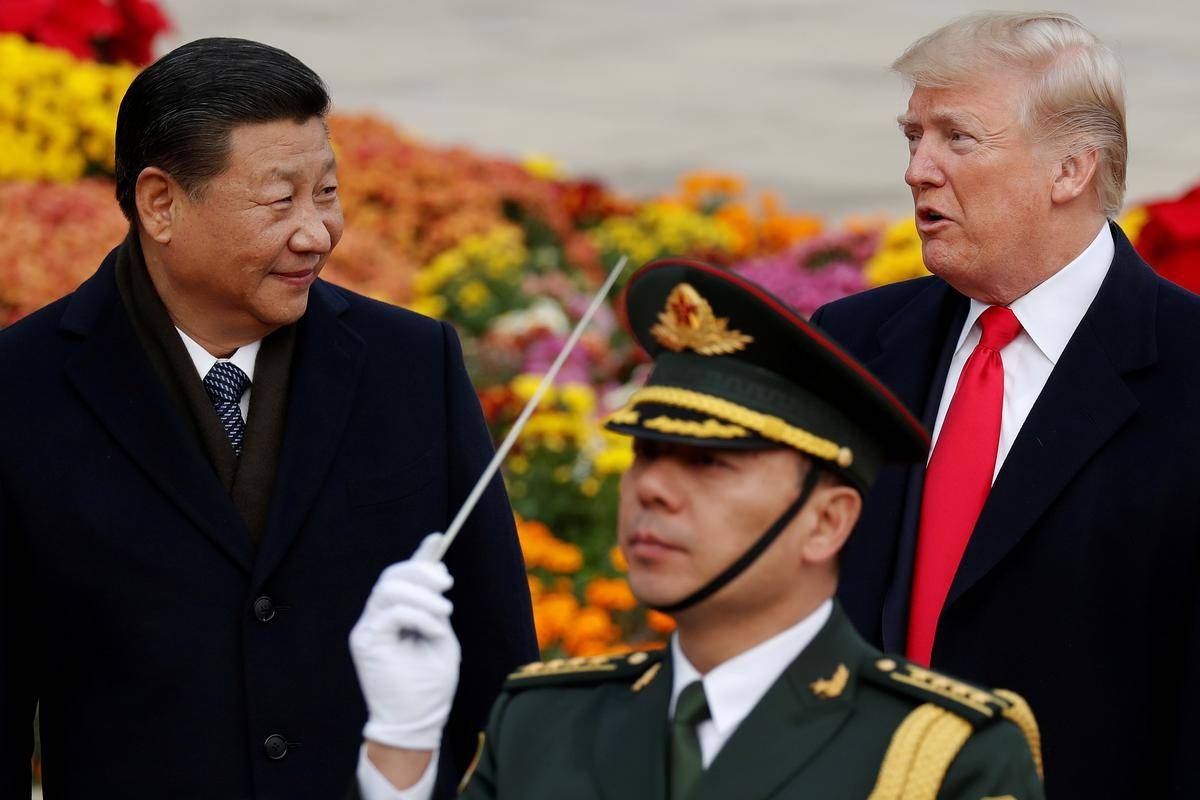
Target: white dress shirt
x: 734, y: 688
x: 1049, y: 315
x: 244, y: 358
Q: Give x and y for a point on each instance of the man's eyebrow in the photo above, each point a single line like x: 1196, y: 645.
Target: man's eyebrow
x: 944, y: 117
x: 287, y: 174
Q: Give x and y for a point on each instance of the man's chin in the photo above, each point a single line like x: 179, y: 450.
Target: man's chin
x: 654, y: 594
x: 937, y: 257
x: 284, y: 311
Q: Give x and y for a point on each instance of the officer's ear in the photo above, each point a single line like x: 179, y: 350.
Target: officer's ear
x: 835, y: 508
x: 156, y: 198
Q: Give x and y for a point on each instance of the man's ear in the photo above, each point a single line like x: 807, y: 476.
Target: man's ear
x: 1074, y: 176
x: 837, y: 508
x: 156, y: 197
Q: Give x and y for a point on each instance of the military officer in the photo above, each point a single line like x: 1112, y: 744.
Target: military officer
x: 755, y: 440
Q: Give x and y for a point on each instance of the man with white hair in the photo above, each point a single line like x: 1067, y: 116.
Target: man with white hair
x: 1049, y: 543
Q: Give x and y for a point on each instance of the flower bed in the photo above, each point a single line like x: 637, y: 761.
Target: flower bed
x: 508, y: 251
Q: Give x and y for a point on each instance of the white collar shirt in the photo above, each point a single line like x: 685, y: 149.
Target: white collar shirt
x: 735, y: 687
x: 244, y: 358
x: 1049, y: 315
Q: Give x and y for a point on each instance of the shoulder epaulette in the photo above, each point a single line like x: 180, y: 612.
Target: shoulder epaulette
x: 639, y: 668
x: 972, y: 703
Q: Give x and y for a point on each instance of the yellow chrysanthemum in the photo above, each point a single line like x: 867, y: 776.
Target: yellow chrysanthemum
x: 58, y: 113
x: 898, y: 257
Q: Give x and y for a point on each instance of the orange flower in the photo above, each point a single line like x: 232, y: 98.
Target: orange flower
x: 536, y: 589
x: 617, y: 559
x: 590, y: 647
x: 612, y: 594
x: 591, y: 625
x: 553, y: 614
x: 701, y: 187
x: 744, y: 227
x: 542, y: 549
x: 559, y: 556
x: 781, y: 229
x: 659, y: 622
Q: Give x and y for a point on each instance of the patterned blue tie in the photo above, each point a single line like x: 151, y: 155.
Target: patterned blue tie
x: 225, y: 384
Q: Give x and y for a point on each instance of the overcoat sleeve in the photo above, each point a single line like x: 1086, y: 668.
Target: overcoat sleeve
x: 18, y: 695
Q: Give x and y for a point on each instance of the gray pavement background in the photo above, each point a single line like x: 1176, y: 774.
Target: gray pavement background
x: 793, y: 94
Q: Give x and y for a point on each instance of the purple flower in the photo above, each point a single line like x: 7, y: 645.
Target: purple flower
x: 814, y: 272
x: 541, y: 352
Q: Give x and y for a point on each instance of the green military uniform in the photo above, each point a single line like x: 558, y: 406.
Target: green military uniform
x: 843, y: 722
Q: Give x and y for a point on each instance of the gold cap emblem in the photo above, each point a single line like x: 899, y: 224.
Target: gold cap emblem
x: 688, y: 322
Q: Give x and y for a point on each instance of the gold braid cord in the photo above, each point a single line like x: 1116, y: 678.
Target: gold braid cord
x: 765, y: 425
x: 623, y: 416
x: 470, y: 773
x: 921, y: 751
x: 709, y: 429
x: 1019, y: 712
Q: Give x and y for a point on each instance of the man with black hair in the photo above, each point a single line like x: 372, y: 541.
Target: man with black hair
x: 207, y: 457
x: 755, y: 439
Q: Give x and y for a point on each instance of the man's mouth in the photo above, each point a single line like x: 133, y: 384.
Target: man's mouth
x: 930, y: 220
x: 645, y: 546
x: 298, y: 277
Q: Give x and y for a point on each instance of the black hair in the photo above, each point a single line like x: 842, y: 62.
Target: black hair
x: 178, y: 114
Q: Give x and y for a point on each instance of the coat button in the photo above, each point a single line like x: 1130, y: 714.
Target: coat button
x: 264, y: 609
x: 275, y: 747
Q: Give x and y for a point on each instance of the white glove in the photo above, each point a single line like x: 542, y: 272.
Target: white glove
x: 409, y: 678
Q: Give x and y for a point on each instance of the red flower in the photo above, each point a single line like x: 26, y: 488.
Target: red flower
x: 21, y: 17
x: 1170, y: 239
x: 104, y: 30
x: 142, y: 21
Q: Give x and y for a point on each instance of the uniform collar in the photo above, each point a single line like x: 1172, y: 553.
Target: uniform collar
x: 734, y: 687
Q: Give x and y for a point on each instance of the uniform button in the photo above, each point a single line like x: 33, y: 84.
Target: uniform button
x: 275, y: 747
x: 264, y: 609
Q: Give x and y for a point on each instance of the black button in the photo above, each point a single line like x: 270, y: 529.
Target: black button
x: 275, y: 747
x: 264, y: 609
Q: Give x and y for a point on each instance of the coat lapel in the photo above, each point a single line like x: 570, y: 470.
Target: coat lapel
x: 915, y: 348
x: 1085, y: 401
x: 913, y: 344
x: 115, y: 379
x: 791, y: 724
x: 631, y: 742
x: 325, y: 369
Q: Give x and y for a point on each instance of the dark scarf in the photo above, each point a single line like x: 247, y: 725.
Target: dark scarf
x: 248, y: 479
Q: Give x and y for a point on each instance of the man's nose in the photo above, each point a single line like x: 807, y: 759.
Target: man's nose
x: 923, y: 169
x: 312, y: 233
x: 655, y: 485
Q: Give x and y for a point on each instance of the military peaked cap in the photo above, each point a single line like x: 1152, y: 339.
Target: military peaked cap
x: 736, y: 367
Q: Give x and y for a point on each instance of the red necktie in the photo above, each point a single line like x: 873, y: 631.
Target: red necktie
x: 958, y: 478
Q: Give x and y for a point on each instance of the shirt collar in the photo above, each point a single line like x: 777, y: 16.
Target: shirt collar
x: 733, y: 688
x: 244, y: 358
x: 1051, y: 311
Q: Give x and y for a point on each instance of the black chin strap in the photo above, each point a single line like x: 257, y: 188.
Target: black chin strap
x: 751, y: 555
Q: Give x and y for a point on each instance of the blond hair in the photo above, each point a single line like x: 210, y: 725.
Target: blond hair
x: 1076, y: 101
